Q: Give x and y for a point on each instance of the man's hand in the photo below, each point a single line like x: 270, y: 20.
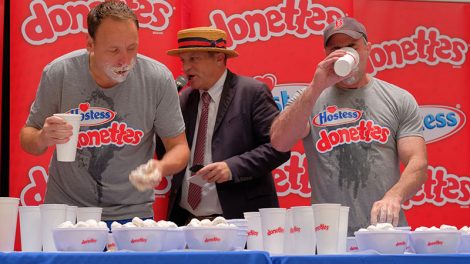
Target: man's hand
x: 146, y: 176
x: 386, y: 210
x: 218, y: 172
x: 325, y: 75
x: 55, y: 131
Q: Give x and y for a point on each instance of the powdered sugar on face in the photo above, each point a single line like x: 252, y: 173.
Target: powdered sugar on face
x: 119, y: 74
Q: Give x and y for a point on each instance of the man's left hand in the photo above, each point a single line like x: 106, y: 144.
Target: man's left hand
x: 386, y: 210
x: 218, y: 172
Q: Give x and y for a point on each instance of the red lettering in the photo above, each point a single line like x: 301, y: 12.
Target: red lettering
x: 117, y: 134
x: 212, y: 239
x: 46, y: 24
x: 322, y: 227
x: 88, y: 241
x: 300, y: 18
x: 366, y: 130
x: 442, y: 188
x: 427, y: 45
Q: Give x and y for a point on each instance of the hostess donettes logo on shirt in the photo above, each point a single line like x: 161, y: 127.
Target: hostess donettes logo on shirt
x: 333, y: 116
x: 115, y: 133
x: 93, y: 116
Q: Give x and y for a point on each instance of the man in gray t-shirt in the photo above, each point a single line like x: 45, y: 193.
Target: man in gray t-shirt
x: 124, y: 100
x: 356, y: 130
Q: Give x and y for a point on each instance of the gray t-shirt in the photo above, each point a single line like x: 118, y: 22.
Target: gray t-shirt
x: 352, y: 145
x: 117, y: 132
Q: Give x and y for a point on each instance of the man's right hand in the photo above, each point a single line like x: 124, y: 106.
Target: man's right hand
x: 325, y: 75
x: 55, y: 131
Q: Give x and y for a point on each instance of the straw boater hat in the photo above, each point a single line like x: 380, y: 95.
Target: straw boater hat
x: 202, y: 39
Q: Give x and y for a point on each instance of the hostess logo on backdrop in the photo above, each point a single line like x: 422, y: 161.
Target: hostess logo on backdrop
x: 440, y: 122
x: 46, y: 23
x: 282, y: 93
x: 93, y: 116
x: 333, y: 116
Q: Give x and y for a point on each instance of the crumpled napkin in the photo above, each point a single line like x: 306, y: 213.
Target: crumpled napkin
x: 146, y: 176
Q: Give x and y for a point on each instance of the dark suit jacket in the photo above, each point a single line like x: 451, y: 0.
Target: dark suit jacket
x: 241, y: 139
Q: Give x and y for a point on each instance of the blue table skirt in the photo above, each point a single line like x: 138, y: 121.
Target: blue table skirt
x: 177, y: 257
x: 374, y: 259
x: 225, y: 257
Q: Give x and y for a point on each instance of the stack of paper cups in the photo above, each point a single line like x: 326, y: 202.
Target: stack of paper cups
x: 111, y: 245
x: 326, y: 227
x: 87, y: 213
x: 66, y: 152
x: 289, y: 242
x: 8, y: 217
x: 304, y: 230
x: 71, y: 214
x: 273, y: 222
x: 343, y: 229
x: 351, y: 245
x: 30, y: 228
x: 255, y: 237
x: 52, y: 215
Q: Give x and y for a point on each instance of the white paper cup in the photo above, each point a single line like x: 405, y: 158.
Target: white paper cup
x: 255, y: 235
x: 71, y: 214
x: 303, y: 230
x: 111, y: 245
x: 289, y: 246
x: 344, y: 65
x: 326, y: 227
x: 351, y: 245
x: 343, y: 229
x: 242, y: 232
x: 87, y: 213
x: 52, y: 215
x: 30, y: 228
x: 66, y: 152
x: 273, y: 222
x: 8, y: 218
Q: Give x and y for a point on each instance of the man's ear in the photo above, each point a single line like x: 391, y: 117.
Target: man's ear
x: 89, y: 43
x: 220, y: 58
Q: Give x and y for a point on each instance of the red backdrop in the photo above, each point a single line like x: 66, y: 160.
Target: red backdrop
x: 2, y: 174
x: 420, y: 46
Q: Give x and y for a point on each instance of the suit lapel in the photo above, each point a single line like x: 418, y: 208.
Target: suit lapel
x: 227, y: 95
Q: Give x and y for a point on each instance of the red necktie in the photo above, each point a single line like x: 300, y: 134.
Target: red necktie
x: 194, y: 191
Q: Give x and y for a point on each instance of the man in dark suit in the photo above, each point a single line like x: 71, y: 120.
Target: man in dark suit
x: 227, y: 119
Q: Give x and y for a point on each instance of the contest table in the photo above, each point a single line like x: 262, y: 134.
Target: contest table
x: 175, y: 257
x: 374, y: 259
x: 223, y: 257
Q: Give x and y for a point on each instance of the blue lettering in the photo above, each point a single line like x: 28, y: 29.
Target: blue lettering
x: 451, y: 119
x: 280, y: 102
x: 285, y: 98
x: 428, y: 122
x: 276, y: 100
x: 322, y: 117
x: 441, y: 120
